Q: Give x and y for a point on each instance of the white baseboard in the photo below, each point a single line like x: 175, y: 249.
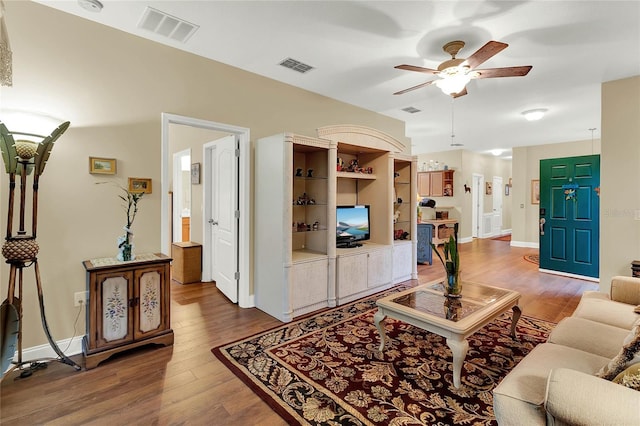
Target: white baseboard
x: 566, y: 274
x: 525, y: 244
x: 46, y: 351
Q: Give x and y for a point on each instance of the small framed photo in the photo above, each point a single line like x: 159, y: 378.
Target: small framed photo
x: 102, y: 166
x: 535, y: 191
x: 195, y: 173
x: 488, y: 188
x: 138, y: 185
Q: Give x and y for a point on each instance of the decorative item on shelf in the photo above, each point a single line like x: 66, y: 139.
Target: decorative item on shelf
x: 125, y: 242
x: 310, y: 173
x: 451, y: 262
x: 298, y: 172
x: 340, y: 164
x: 396, y: 216
x: 305, y: 200
x: 400, y: 234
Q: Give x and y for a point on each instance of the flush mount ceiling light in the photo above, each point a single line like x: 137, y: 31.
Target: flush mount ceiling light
x: 91, y: 5
x: 496, y: 152
x: 534, y: 114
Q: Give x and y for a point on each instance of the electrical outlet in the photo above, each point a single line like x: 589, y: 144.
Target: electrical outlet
x: 80, y: 298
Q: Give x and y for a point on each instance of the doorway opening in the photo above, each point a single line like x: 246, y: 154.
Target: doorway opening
x: 243, y: 185
x: 181, y: 211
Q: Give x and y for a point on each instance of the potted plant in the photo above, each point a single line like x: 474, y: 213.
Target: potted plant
x: 451, y: 263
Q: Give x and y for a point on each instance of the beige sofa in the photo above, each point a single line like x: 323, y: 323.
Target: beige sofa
x: 556, y: 383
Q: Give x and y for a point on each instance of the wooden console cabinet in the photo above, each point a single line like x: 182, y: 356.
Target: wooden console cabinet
x: 129, y: 306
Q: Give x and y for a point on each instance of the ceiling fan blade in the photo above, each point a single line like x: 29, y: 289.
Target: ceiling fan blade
x: 460, y: 93
x: 504, y: 72
x: 419, y: 86
x: 416, y: 69
x: 484, y: 53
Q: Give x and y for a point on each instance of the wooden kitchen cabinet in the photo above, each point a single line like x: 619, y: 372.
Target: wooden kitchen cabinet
x: 129, y: 306
x: 436, y: 184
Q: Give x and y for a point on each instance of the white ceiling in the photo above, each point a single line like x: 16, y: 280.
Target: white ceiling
x: 573, y: 46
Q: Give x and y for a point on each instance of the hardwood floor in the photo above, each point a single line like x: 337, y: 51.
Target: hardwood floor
x: 186, y: 384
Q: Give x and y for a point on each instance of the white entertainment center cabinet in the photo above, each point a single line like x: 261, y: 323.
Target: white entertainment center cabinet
x: 298, y: 268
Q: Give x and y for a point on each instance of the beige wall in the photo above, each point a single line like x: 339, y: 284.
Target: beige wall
x: 526, y: 167
x: 113, y: 88
x: 620, y: 179
x: 466, y: 164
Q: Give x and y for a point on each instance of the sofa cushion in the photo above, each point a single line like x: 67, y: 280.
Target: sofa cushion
x: 527, y: 381
x: 589, y: 336
x: 596, y: 306
x: 628, y: 355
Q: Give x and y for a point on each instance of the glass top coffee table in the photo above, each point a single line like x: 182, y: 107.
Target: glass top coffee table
x: 426, y: 307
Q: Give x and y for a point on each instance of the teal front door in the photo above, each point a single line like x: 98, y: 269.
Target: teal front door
x: 570, y: 215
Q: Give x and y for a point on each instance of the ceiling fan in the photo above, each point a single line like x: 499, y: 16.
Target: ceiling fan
x: 456, y: 73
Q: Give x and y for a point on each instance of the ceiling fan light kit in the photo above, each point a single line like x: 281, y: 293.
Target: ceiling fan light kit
x: 456, y: 73
x: 534, y: 114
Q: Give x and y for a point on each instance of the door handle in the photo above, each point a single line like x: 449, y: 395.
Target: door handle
x: 542, y: 222
x: 213, y: 222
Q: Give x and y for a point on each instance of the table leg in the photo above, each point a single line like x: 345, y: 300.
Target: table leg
x: 378, y: 319
x: 516, y: 316
x: 459, y: 350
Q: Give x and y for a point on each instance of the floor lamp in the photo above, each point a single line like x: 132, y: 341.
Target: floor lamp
x: 23, y: 158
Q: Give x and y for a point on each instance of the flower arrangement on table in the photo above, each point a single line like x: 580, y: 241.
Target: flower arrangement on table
x: 451, y: 263
x: 125, y: 242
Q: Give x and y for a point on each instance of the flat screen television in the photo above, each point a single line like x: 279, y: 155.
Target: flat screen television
x: 352, y: 225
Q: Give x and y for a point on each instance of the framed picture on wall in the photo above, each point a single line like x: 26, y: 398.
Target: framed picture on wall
x: 488, y: 188
x: 535, y: 191
x: 195, y: 174
x: 102, y: 166
x: 138, y: 185
x: 506, y: 190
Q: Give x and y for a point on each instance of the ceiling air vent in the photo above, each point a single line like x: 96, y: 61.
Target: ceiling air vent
x: 166, y: 25
x: 411, y: 110
x: 296, y: 65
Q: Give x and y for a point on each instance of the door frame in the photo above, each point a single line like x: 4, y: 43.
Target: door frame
x: 477, y: 205
x: 245, y: 299
x: 177, y: 193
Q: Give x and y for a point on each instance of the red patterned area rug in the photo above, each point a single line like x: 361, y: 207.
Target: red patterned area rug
x: 533, y: 258
x: 326, y: 369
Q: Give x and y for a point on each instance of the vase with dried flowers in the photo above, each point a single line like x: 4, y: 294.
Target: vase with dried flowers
x: 451, y: 263
x: 125, y: 242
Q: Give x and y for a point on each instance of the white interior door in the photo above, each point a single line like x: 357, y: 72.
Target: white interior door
x: 496, y: 227
x: 222, y: 213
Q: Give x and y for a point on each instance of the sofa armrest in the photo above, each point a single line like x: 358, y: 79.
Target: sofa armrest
x: 625, y: 290
x: 574, y: 398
